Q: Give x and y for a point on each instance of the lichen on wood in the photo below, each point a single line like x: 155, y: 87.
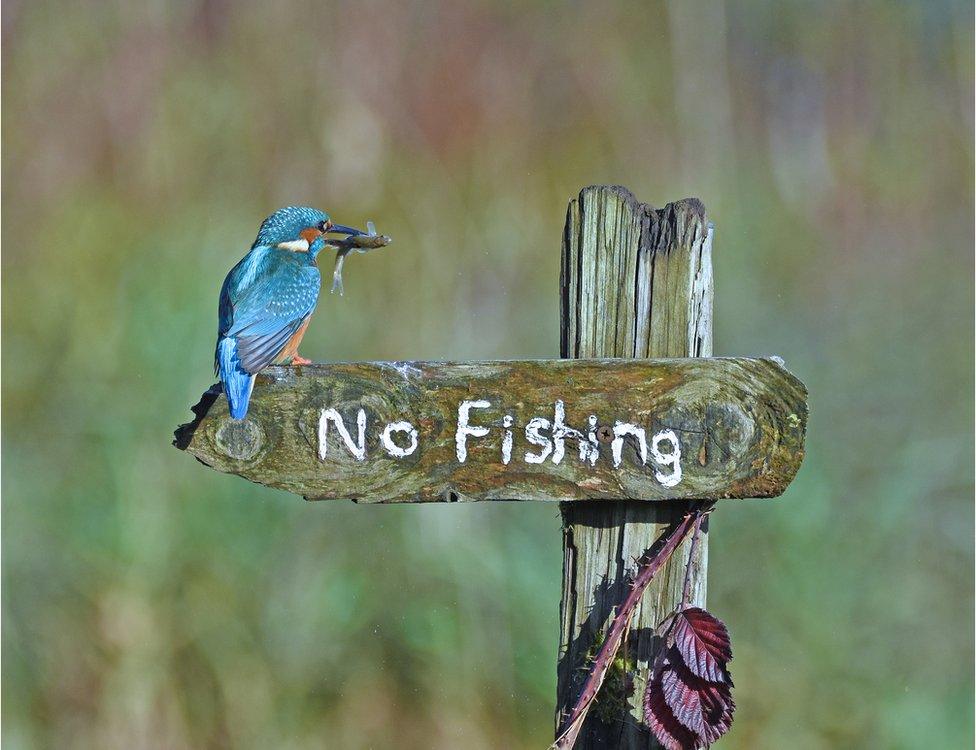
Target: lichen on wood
x: 738, y: 424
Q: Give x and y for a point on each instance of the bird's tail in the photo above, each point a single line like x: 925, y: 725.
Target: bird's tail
x: 237, y: 382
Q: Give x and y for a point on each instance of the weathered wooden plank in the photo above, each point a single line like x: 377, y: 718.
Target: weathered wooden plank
x: 636, y: 282
x: 529, y: 435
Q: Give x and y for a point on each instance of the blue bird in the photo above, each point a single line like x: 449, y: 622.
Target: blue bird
x: 268, y: 298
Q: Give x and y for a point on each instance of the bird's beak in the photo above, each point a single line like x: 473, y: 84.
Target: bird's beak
x: 342, y: 229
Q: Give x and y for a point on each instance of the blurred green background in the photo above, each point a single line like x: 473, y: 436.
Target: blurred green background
x: 151, y: 603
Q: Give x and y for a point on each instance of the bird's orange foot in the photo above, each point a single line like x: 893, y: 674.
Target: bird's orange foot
x: 296, y: 360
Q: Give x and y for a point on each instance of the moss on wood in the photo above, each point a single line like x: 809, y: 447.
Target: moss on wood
x: 739, y: 423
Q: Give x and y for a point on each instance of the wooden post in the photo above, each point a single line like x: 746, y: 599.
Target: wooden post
x: 635, y: 282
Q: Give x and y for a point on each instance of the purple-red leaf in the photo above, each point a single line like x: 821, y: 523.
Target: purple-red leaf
x: 671, y: 733
x: 703, y: 707
x: 688, y: 704
x: 703, y: 643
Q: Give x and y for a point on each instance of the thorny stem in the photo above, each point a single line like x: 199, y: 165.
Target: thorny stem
x: 686, y: 588
x: 648, y: 565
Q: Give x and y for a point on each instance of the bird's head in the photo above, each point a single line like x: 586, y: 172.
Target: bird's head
x: 299, y: 229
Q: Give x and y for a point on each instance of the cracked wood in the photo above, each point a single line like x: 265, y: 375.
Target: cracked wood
x: 636, y: 282
x: 739, y: 425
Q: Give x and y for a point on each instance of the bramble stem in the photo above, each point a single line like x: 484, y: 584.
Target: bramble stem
x: 686, y: 588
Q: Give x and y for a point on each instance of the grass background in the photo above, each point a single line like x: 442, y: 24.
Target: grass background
x: 151, y: 603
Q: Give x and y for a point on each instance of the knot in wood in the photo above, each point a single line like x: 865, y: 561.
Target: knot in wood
x: 239, y: 439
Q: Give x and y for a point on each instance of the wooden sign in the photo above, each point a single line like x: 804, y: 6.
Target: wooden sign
x: 559, y: 430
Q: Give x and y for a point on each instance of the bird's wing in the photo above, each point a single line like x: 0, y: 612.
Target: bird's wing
x: 258, y: 351
x: 245, y: 280
x: 264, y: 309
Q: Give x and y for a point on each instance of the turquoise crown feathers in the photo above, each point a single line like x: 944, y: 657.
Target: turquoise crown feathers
x: 285, y: 224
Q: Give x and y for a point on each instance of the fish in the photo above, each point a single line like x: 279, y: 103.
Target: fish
x: 360, y: 243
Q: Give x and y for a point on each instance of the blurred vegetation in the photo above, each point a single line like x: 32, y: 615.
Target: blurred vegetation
x: 149, y: 602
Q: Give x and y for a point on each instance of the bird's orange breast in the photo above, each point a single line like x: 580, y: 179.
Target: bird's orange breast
x: 290, y: 349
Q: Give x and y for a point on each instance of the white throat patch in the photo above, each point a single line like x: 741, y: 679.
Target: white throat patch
x: 295, y: 246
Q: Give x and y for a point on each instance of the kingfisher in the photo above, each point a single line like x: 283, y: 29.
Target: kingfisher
x: 268, y: 298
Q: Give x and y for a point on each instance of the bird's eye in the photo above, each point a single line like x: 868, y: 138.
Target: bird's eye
x: 323, y: 226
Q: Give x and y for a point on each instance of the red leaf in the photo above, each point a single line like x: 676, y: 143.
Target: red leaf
x: 703, y: 707
x: 688, y: 704
x: 703, y: 643
x: 671, y: 733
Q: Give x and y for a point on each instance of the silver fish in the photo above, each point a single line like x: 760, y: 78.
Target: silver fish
x: 361, y: 243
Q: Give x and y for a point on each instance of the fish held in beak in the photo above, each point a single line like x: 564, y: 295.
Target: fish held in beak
x: 356, y: 239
